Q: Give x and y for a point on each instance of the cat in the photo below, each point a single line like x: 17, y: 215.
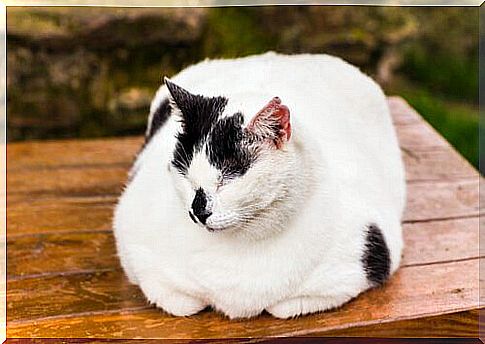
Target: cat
x: 270, y: 182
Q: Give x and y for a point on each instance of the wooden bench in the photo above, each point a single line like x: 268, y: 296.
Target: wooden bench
x: 64, y: 279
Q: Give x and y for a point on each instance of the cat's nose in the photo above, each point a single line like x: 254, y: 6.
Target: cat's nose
x: 199, y: 206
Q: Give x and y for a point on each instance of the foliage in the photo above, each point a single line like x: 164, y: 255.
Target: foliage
x: 234, y: 32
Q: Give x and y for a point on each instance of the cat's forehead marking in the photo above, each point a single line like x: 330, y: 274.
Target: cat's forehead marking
x: 220, y: 135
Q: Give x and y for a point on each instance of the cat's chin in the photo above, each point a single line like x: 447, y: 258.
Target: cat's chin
x: 221, y: 228
x: 216, y: 229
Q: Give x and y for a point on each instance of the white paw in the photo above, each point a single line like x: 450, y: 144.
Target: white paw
x: 180, y: 305
x: 131, y: 276
x: 171, y: 301
x: 240, y: 313
x: 304, y: 305
x: 127, y: 268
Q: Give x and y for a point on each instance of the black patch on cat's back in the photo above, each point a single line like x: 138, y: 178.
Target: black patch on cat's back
x: 376, y: 259
x: 159, y: 118
x: 227, y: 149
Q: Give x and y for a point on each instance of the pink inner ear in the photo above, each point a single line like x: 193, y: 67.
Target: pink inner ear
x: 272, y: 121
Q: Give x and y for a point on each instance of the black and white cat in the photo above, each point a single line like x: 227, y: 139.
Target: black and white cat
x: 233, y: 205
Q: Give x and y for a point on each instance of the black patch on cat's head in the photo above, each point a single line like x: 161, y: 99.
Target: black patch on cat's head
x: 376, y: 258
x: 199, y: 114
x: 228, y: 146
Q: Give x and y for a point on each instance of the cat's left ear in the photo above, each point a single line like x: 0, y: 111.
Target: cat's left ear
x: 180, y: 98
x: 272, y: 123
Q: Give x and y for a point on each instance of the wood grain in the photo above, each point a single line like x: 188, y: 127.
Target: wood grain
x: 74, y: 154
x: 71, y: 294
x: 58, y: 253
x: 61, y: 182
x: 438, y: 165
x: 461, y: 324
x: 442, y: 200
x: 402, y: 113
x: 420, y: 137
x: 69, y: 214
x: 47, y: 254
x: 440, y: 241
x: 414, y: 292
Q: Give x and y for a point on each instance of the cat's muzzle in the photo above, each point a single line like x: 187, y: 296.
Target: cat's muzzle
x: 200, y: 207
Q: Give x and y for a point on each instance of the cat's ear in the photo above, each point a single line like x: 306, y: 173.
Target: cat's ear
x: 180, y: 98
x: 272, y: 123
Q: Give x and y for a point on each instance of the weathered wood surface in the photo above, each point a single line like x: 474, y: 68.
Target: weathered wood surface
x: 64, y: 279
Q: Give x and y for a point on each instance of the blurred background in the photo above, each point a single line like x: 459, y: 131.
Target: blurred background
x: 79, y: 72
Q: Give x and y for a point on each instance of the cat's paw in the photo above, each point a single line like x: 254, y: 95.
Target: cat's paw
x: 304, y: 305
x: 173, y: 302
x: 180, y: 305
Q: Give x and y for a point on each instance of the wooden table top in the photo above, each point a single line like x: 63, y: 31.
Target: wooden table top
x: 64, y: 278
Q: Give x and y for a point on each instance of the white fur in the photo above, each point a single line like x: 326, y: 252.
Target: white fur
x: 340, y: 171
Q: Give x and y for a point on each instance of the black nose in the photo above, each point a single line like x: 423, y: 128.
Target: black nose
x: 199, y: 206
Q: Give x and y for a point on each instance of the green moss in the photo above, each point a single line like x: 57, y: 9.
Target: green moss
x: 233, y: 32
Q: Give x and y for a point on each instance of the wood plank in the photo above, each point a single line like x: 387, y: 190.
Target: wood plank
x: 47, y: 254
x: 461, y: 324
x: 420, y: 137
x: 71, y: 153
x: 52, y: 215
x: 439, y: 164
x: 73, y: 293
x: 59, y: 182
x: 436, y: 241
x: 414, y: 292
x: 442, y: 200
x: 402, y: 113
